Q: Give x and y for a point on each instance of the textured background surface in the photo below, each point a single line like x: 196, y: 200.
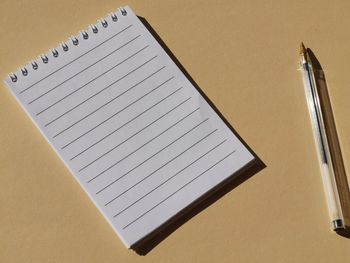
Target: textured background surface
x: 244, y: 55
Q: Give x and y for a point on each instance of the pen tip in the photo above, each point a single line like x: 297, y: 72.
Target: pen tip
x: 302, y: 49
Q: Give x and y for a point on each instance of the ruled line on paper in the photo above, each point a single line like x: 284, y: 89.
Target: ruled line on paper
x: 120, y: 177
x: 112, y: 116
x: 178, y: 190
x: 165, y: 181
x: 53, y: 104
x: 97, y: 77
x: 133, y: 135
x: 105, y: 88
x: 194, y: 144
x: 107, y: 152
x: 70, y: 126
x: 75, y: 59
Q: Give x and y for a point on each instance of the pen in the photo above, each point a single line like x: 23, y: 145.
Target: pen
x: 321, y: 140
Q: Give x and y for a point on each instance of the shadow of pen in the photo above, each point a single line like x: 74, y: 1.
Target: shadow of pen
x: 333, y: 141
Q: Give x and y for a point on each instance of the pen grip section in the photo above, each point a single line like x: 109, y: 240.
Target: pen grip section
x: 331, y: 193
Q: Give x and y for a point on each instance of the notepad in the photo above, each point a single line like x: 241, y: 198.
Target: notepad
x: 133, y: 130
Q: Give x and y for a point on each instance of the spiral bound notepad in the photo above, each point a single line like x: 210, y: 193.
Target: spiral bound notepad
x: 132, y: 129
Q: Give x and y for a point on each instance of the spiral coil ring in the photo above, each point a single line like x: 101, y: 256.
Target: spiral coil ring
x: 75, y: 41
x: 24, y: 71
x: 44, y: 58
x: 85, y: 35
x: 94, y: 29
x: 65, y: 46
x: 13, y: 77
x: 114, y: 17
x: 104, y: 23
x: 54, y: 52
x: 123, y: 11
x: 34, y: 65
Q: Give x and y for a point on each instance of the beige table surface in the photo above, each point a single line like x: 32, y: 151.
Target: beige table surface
x: 244, y: 55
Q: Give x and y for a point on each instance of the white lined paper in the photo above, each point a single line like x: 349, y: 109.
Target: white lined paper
x: 135, y: 133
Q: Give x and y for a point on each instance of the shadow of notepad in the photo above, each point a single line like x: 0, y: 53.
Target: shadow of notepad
x: 148, y: 243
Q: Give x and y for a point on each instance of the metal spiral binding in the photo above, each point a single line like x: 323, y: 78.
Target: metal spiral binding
x: 114, y: 17
x: 54, y: 52
x: 34, y: 65
x: 94, y: 29
x: 123, y: 11
x: 44, y: 58
x: 24, y: 71
x: 65, y: 46
x: 13, y: 77
x: 104, y: 23
x: 75, y: 41
x: 85, y: 35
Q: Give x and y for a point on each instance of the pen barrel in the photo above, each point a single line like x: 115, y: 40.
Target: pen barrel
x: 321, y: 141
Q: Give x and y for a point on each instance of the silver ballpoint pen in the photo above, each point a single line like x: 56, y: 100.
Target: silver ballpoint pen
x: 321, y: 140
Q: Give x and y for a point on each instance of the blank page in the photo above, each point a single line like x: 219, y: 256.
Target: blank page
x: 132, y: 129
